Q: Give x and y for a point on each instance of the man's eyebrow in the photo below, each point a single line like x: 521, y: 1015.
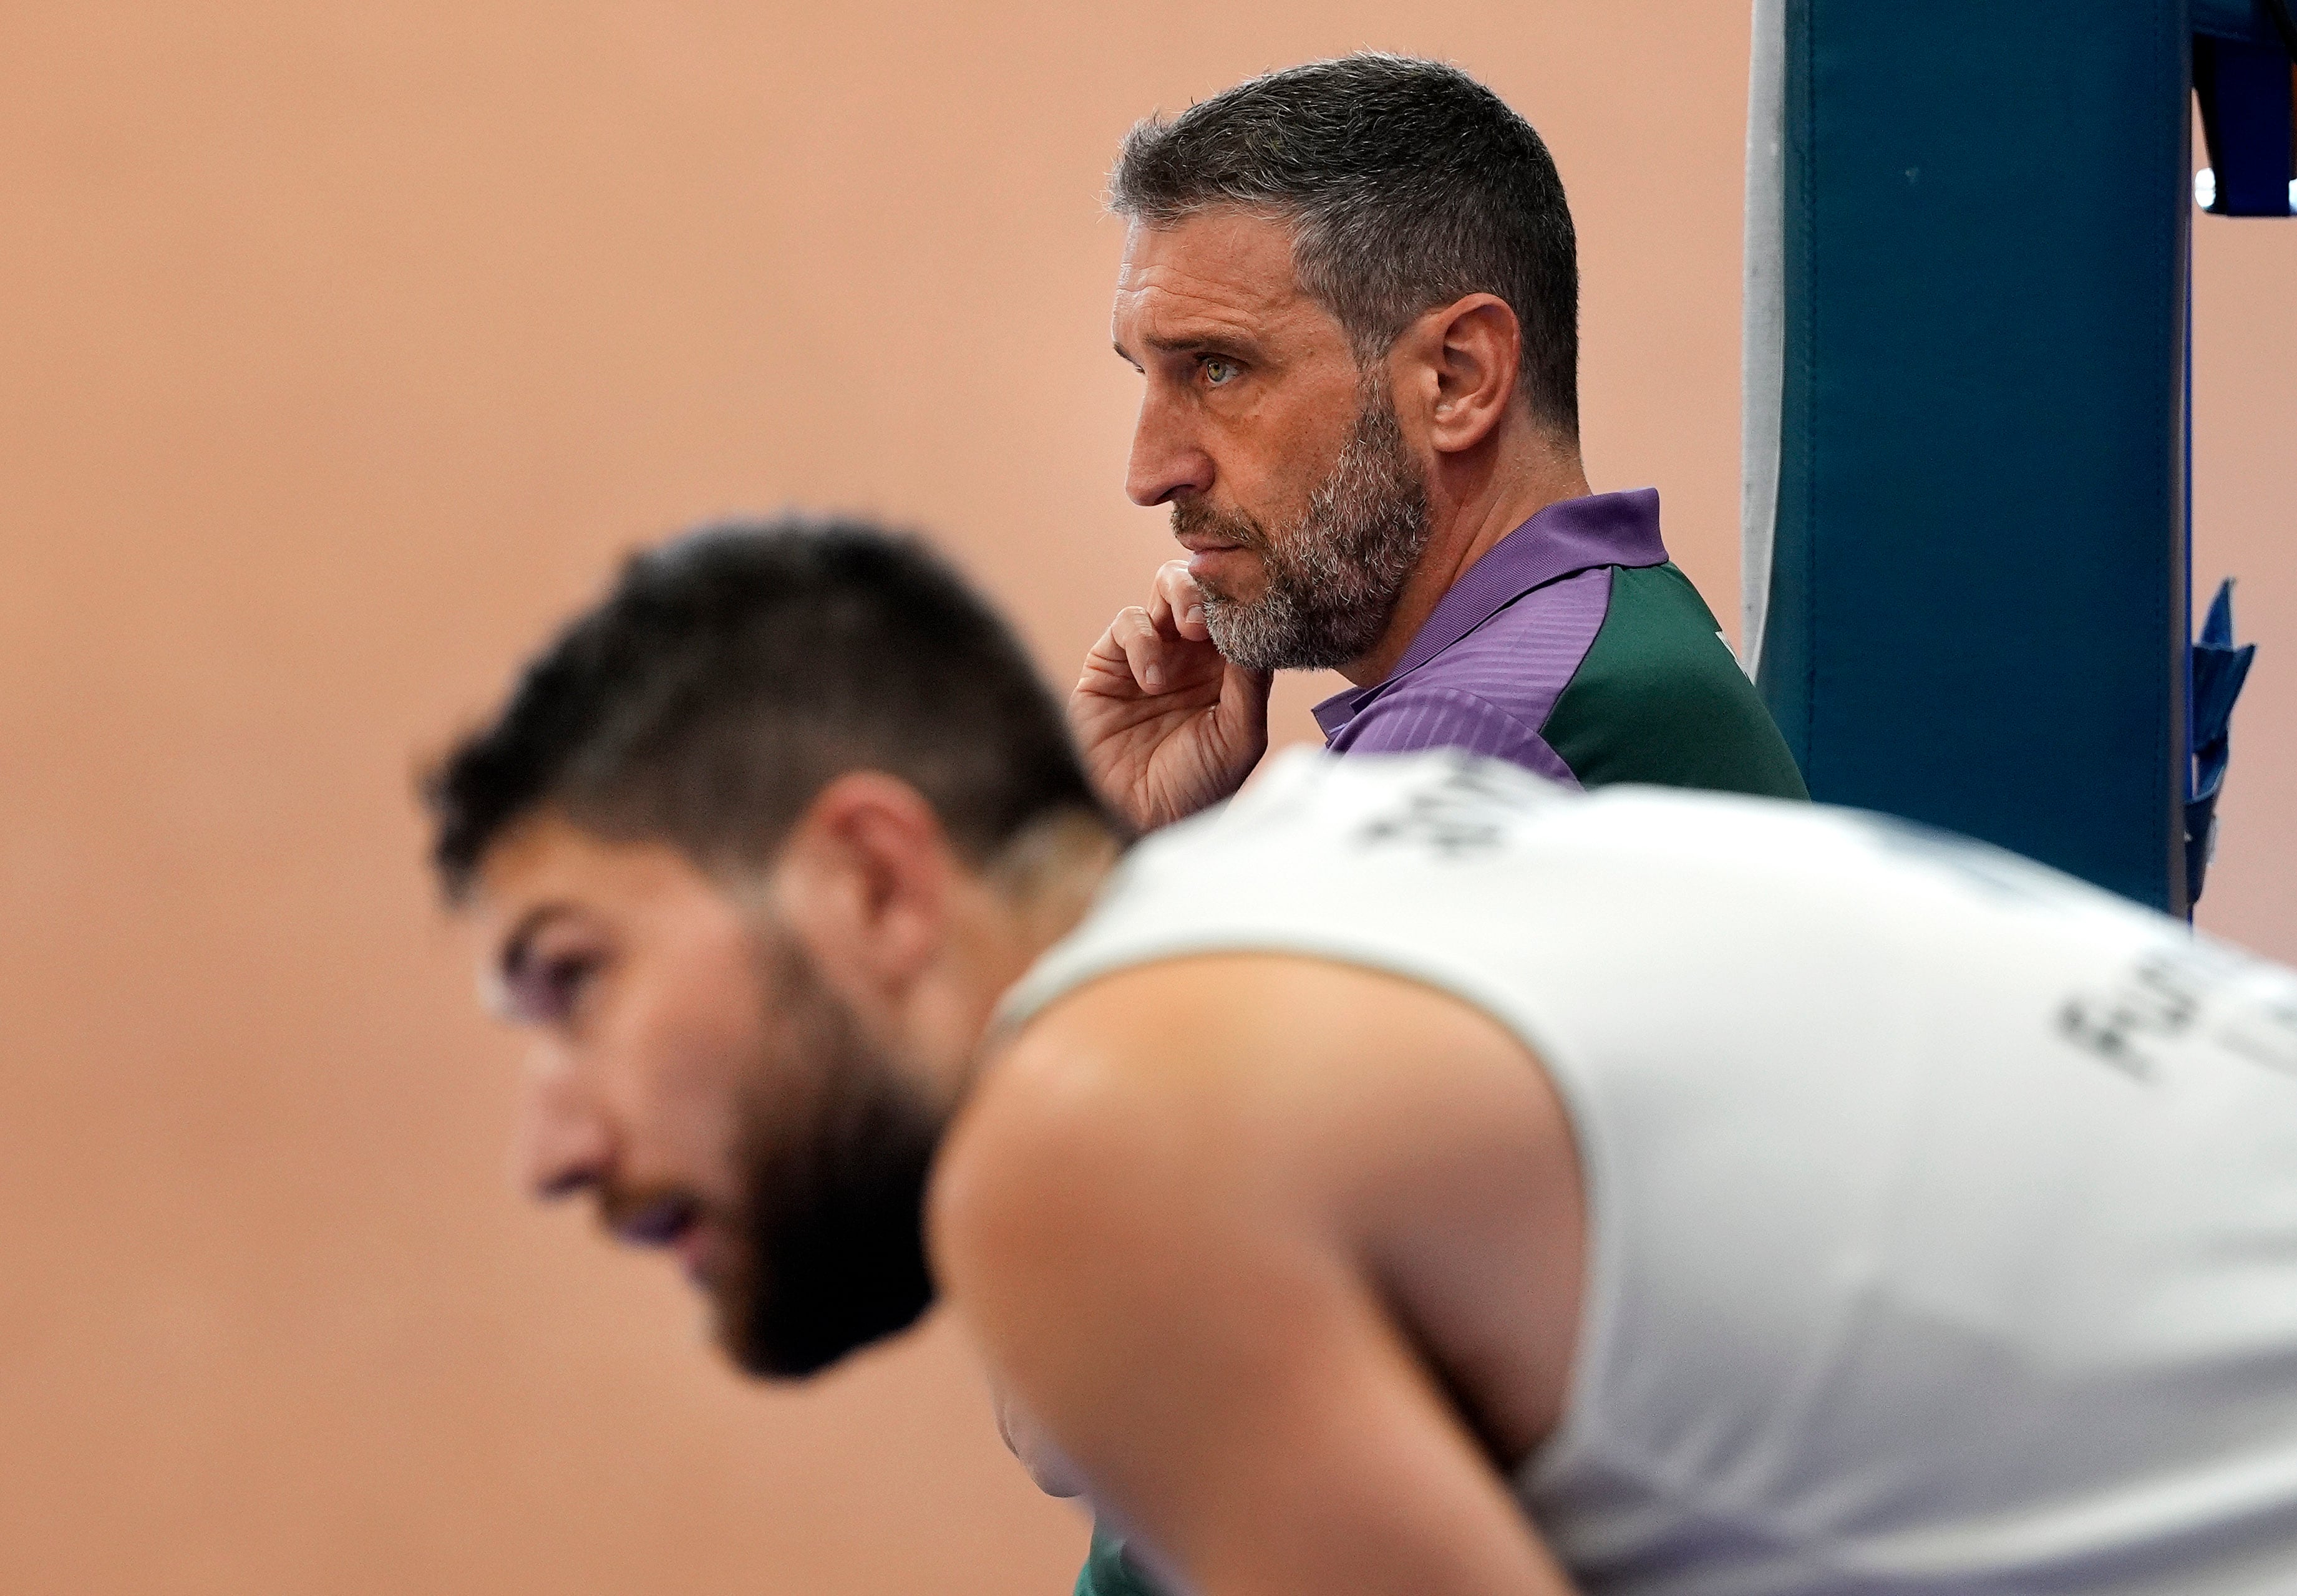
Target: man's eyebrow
x: 1196, y: 343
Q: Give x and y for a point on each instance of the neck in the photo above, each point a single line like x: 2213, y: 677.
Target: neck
x: 1046, y: 879
x: 1033, y: 894
x: 1475, y: 498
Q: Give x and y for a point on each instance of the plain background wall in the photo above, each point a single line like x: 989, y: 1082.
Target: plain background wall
x: 342, y: 351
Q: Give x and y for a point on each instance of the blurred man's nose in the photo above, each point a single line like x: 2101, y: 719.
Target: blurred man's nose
x: 562, y: 1144
x: 1167, y: 460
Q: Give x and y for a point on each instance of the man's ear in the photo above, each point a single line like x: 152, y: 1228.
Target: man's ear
x: 864, y: 882
x: 1461, y: 361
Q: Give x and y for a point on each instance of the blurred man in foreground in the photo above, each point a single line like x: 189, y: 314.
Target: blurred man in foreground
x: 1417, y: 1178
x: 1352, y: 291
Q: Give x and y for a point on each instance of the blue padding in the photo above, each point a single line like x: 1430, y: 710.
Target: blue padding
x: 2220, y: 668
x: 2241, y: 19
x: 1977, y: 615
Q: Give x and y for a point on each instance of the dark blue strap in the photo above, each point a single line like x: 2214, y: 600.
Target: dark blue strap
x: 2248, y: 122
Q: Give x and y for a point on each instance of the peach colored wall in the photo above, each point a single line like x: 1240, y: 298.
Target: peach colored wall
x: 2245, y: 526
x: 343, y: 348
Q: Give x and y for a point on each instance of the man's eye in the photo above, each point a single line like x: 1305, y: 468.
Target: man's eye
x: 547, y: 990
x: 1219, y: 372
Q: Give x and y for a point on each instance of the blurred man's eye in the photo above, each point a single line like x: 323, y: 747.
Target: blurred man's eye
x: 1219, y: 372
x: 547, y: 990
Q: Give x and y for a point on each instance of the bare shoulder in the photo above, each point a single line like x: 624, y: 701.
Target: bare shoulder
x: 1144, y: 1117
x: 1270, y: 1061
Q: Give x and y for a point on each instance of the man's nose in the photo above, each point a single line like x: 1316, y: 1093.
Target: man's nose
x: 562, y: 1144
x: 1168, y: 460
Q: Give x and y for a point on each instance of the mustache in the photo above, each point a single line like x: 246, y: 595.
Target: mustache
x: 646, y: 1216
x: 1195, y: 515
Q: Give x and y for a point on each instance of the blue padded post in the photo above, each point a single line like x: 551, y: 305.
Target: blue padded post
x: 1972, y: 597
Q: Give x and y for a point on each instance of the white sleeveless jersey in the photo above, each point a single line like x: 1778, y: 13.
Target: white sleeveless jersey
x: 1943, y: 1210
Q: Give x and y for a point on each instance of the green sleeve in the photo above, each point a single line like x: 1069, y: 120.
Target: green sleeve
x: 1659, y: 698
x: 1109, y: 1572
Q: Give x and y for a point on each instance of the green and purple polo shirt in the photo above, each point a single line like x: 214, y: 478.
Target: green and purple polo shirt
x: 1575, y: 648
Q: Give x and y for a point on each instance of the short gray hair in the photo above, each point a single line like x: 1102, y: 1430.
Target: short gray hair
x: 1409, y: 185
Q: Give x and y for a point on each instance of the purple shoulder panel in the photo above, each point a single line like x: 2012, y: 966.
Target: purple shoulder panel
x: 1492, y: 691
x: 1416, y: 718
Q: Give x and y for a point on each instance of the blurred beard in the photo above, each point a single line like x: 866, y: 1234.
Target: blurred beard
x: 1334, y: 575
x: 828, y: 1253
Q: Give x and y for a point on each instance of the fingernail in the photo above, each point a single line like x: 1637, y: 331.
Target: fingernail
x: 1194, y: 614
x: 1152, y: 678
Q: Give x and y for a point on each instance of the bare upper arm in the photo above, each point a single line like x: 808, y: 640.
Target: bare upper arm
x: 1282, y: 1253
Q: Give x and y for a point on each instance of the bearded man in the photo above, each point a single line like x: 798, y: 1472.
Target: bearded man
x: 1352, y: 289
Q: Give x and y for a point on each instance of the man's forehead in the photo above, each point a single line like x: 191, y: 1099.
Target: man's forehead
x: 547, y: 856
x: 1220, y: 264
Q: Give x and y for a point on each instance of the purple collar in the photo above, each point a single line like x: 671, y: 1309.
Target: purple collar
x: 1571, y: 535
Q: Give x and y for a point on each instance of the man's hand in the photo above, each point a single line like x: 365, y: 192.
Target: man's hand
x: 1166, y: 726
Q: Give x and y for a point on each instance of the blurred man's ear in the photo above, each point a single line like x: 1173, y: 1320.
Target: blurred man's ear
x: 864, y: 882
x: 1458, y: 365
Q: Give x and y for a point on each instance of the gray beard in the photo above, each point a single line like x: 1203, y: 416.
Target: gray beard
x: 1334, y: 575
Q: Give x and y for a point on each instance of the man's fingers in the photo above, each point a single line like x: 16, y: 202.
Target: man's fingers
x: 1177, y: 596
x: 1153, y: 646
x: 1143, y: 644
x: 1160, y: 603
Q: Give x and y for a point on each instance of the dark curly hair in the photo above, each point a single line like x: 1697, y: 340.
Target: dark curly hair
x: 732, y: 672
